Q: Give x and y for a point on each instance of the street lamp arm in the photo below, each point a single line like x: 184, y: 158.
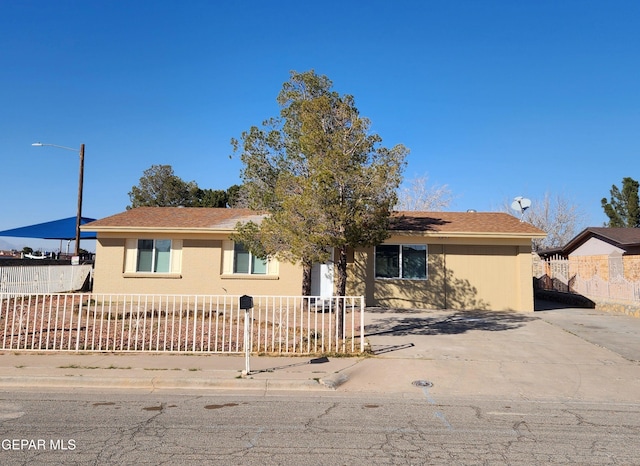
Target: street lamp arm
x: 40, y: 144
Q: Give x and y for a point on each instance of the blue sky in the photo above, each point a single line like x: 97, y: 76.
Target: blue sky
x: 495, y: 99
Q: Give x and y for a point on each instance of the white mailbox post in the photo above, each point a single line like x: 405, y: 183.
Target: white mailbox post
x: 246, y: 303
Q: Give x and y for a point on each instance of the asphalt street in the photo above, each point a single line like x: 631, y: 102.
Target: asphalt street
x: 327, y: 428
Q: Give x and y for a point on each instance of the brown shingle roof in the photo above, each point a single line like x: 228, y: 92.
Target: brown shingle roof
x: 463, y: 222
x: 221, y: 219
x: 162, y: 218
x: 624, y: 238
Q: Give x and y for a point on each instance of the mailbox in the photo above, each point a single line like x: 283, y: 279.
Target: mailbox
x: 246, y: 302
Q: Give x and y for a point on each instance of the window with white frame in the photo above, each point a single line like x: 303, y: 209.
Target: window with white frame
x: 154, y: 255
x: 245, y: 262
x: 407, y: 261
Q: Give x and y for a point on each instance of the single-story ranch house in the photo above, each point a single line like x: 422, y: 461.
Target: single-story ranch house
x: 436, y: 260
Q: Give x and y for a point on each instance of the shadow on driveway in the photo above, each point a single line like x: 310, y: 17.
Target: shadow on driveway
x: 455, y: 322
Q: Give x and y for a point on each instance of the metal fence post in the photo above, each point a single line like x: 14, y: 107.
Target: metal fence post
x: 361, y: 324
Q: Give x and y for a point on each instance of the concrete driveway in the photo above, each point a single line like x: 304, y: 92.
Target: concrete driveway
x: 616, y: 332
x: 560, y: 354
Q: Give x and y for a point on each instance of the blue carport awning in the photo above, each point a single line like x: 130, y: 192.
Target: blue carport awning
x: 65, y: 228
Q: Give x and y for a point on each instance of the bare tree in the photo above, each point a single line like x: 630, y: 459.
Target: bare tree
x: 420, y: 196
x: 557, y: 216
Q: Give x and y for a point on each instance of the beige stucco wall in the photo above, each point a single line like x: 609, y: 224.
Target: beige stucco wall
x: 462, y: 274
x: 200, y: 271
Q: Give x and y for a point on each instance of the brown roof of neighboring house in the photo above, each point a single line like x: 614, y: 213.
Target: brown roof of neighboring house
x: 222, y: 219
x: 463, y: 222
x: 622, y: 237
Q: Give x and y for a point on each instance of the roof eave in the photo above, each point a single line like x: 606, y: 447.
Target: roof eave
x: 470, y: 234
x: 160, y: 230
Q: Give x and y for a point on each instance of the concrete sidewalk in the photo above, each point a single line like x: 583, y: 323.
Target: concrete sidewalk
x: 568, y: 354
x: 169, y: 371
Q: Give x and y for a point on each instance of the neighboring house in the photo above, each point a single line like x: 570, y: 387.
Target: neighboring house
x: 439, y: 260
x: 603, y: 241
x: 600, y: 263
x: 601, y: 251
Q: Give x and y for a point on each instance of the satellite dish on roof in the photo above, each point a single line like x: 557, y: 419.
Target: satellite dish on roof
x: 520, y: 204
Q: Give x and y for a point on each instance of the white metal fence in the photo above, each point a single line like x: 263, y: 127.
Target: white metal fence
x: 43, y: 278
x: 180, y: 323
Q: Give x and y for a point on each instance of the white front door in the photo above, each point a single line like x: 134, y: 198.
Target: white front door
x: 322, y: 279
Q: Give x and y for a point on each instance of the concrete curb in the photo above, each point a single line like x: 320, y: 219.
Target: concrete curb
x: 334, y: 381
x: 154, y: 383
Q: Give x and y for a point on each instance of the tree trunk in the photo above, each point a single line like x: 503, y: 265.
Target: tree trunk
x: 306, y: 278
x: 341, y: 287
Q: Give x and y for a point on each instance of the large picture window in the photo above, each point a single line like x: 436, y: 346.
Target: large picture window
x: 154, y: 255
x: 245, y: 262
x: 408, y: 261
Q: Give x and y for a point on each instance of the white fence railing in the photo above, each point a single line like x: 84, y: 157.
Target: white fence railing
x: 180, y: 323
x: 42, y: 278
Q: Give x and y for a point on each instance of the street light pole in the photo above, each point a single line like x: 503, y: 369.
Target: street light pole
x: 80, y: 186
x: 79, y: 211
